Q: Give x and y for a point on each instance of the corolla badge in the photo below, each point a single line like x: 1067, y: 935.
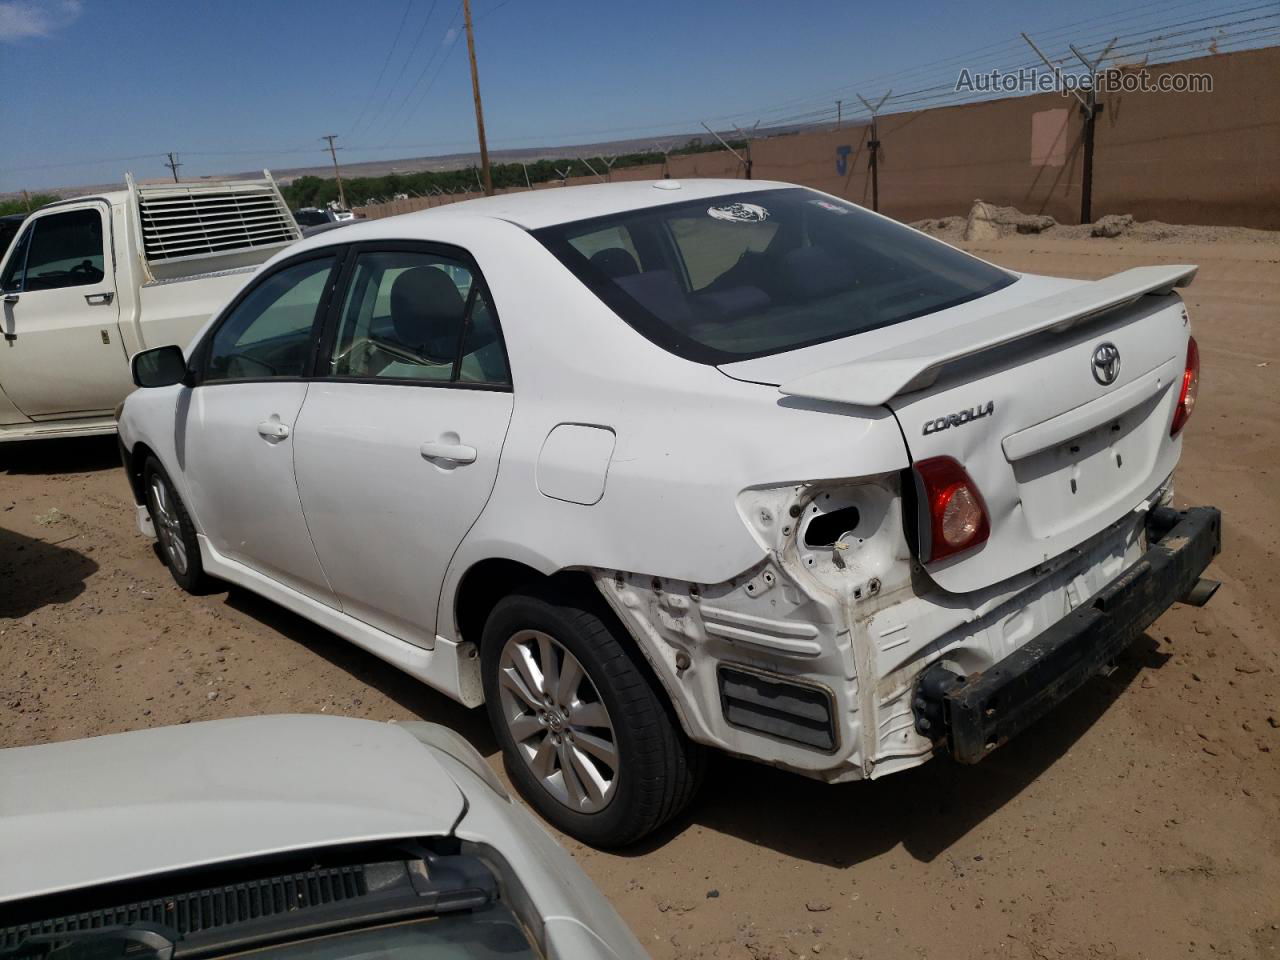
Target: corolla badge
x: 1106, y: 363
x: 961, y: 418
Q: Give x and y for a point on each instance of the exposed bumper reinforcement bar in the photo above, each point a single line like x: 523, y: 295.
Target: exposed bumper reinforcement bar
x: 984, y: 711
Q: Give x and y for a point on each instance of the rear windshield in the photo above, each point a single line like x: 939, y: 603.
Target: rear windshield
x: 751, y: 274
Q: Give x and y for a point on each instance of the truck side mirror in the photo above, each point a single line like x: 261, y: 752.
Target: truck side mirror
x: 160, y: 367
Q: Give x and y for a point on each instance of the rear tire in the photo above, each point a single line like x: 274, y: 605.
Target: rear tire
x: 175, y: 533
x: 601, y: 715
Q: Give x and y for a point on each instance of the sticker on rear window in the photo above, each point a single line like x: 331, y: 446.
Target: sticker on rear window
x: 740, y: 213
x: 828, y: 205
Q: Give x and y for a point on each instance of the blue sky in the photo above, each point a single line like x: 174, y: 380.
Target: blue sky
x: 88, y: 87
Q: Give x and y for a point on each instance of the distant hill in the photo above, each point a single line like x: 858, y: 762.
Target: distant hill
x: 447, y: 161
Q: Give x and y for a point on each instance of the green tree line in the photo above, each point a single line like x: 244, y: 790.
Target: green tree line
x: 19, y: 205
x: 318, y: 191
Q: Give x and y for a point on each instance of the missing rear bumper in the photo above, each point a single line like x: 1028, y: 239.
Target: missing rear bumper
x: 982, y: 712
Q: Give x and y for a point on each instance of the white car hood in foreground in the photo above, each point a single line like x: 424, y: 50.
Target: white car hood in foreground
x: 93, y: 811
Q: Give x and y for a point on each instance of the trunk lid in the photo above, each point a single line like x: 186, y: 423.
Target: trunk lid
x: 1024, y: 389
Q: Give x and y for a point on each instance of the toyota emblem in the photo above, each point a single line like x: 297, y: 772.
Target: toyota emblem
x: 1106, y: 363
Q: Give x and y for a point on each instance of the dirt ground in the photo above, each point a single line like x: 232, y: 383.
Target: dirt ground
x: 1142, y: 819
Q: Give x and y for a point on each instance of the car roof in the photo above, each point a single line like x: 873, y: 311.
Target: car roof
x: 549, y: 206
x: 87, y: 812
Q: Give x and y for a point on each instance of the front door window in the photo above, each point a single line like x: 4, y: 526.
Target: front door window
x: 269, y: 333
x: 11, y: 281
x: 64, y: 250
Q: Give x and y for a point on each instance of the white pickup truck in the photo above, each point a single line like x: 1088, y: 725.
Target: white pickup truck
x: 93, y: 280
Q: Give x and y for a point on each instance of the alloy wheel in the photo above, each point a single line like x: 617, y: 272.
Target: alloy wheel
x: 560, y: 726
x: 168, y: 527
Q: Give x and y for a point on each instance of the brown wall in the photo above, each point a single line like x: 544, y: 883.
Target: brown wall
x: 1209, y: 158
x: 934, y: 163
x: 1196, y: 158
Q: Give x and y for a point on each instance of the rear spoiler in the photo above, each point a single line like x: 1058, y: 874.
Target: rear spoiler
x: 878, y: 378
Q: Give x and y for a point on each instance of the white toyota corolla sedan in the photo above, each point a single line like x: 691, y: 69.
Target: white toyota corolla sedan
x: 646, y: 467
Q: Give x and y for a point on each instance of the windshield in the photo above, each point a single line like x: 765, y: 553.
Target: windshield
x: 751, y: 274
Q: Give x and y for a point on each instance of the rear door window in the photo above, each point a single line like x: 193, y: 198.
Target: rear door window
x: 418, y: 317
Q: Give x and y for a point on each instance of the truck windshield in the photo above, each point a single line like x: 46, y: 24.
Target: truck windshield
x: 750, y: 274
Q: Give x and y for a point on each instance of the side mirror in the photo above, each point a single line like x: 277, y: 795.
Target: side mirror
x: 161, y: 367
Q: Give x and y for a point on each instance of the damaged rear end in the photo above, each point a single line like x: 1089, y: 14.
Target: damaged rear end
x: 1035, y: 512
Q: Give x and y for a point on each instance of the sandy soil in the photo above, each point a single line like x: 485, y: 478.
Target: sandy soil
x: 1142, y: 819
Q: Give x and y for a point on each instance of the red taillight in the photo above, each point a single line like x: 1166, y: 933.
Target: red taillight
x: 953, y: 516
x: 1190, y: 387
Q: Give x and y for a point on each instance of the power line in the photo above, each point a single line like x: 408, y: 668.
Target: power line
x: 417, y: 41
x: 413, y: 111
x: 492, y: 10
x: 446, y: 39
x: 383, y: 72
x: 82, y: 163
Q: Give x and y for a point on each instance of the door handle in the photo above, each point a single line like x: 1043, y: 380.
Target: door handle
x: 273, y: 430
x: 10, y: 298
x: 99, y: 299
x: 455, y: 452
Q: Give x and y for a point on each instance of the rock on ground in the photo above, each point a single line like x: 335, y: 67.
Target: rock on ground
x: 1112, y: 225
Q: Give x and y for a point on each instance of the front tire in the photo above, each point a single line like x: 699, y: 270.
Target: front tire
x: 175, y: 533
x: 587, y: 737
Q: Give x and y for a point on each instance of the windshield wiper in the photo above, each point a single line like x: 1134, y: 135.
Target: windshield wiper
x: 135, y: 941
x: 248, y: 908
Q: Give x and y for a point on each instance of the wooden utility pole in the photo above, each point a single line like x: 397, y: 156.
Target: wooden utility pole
x: 333, y: 152
x: 873, y: 146
x: 1090, y: 120
x: 173, y: 165
x: 839, y: 104
x: 1090, y: 113
x: 475, y: 91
